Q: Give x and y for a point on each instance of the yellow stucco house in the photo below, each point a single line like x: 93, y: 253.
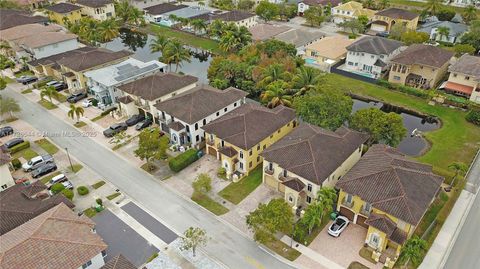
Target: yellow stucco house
x: 420, y: 66
x: 309, y: 158
x: 464, y: 79
x: 63, y: 12
x: 350, y: 10
x: 326, y: 52
x: 388, y: 194
x: 239, y: 137
x: 97, y: 9
x: 384, y: 20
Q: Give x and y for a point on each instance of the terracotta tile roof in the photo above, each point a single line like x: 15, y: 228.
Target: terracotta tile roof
x: 20, y: 203
x: 94, y: 3
x: 397, y: 13
x: 375, y: 45
x: 163, y: 8
x: 58, y: 238
x: 176, y: 126
x: 314, y: 153
x: 119, y: 262
x: 468, y: 65
x: 157, y: 85
x: 53, y: 59
x: 198, y: 103
x: 127, y: 99
x: 92, y: 58
x: 63, y: 8
x: 294, y: 184
x: 383, y: 223
x: 249, y: 124
x: 44, y: 39
x: 423, y: 55
x: 392, y: 183
x: 331, y: 47
x: 452, y: 86
x: 11, y: 18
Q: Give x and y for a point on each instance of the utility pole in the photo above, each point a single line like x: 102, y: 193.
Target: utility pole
x: 69, y: 160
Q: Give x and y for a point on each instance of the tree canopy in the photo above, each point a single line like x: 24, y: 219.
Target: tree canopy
x: 151, y: 147
x: 267, y: 11
x: 268, y: 219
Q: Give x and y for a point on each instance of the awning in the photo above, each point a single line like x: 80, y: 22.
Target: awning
x: 452, y: 86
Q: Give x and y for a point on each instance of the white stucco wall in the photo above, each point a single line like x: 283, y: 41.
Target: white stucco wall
x: 356, y: 61
x: 97, y: 262
x: 302, y: 7
x: 52, y: 49
x: 101, y: 13
x: 6, y: 179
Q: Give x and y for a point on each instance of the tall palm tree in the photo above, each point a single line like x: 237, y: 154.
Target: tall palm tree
x: 176, y: 53
x: 369, y: 4
x: 235, y: 39
x: 305, y: 79
x: 433, y: 6
x: 108, y: 30
x: 311, y: 218
x: 326, y: 196
x: 275, y: 94
x: 75, y: 111
x: 49, y: 92
x: 215, y: 29
x: 469, y: 14
x: 459, y: 168
x: 159, y: 43
x: 9, y: 106
x: 122, y: 10
x: 199, y: 25
x: 443, y: 31
x: 412, y: 250
x: 272, y: 73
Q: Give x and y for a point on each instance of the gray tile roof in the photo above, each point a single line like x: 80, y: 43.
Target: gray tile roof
x: 11, y: 18
x: 423, y: 55
x: 234, y: 15
x: 456, y: 29
x: 63, y: 8
x: 264, y: 31
x: 299, y: 37
x: 200, y: 102
x: 314, y: 153
x: 94, y: 3
x: 392, y: 183
x: 53, y: 59
x: 92, y: 58
x: 163, y: 8
x: 294, y: 184
x: 375, y: 45
x: 467, y: 64
x: 249, y: 124
x: 397, y: 13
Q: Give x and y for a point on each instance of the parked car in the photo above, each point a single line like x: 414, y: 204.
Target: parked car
x: 26, y: 79
x: 143, y: 124
x: 44, y: 169
x: 51, y: 82
x: 88, y: 102
x: 13, y: 142
x: 76, y: 97
x: 68, y: 185
x: 58, y: 179
x: 22, y: 180
x: 135, y: 119
x: 383, y: 34
x: 115, y: 129
x: 6, y: 130
x: 59, y: 86
x: 337, y: 227
x: 36, y: 162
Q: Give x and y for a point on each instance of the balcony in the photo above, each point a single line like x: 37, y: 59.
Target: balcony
x: 365, y: 212
x: 346, y: 203
x: 269, y: 171
x: 211, y: 142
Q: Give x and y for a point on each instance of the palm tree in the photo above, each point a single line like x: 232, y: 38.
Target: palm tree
x: 384, y: 4
x: 311, y: 218
x: 6, y: 49
x: 412, y: 250
x: 108, y: 30
x: 270, y: 74
x: 122, y: 10
x: 198, y: 25
x: 235, y: 39
x: 176, y: 53
x: 459, y: 168
x: 276, y: 94
x: 433, y: 6
x: 24, y: 60
x: 201, y: 3
x: 215, y: 29
x: 9, y: 106
x: 75, y: 111
x: 469, y: 14
x: 369, y: 4
x: 305, y: 79
x: 443, y: 31
x: 326, y: 196
x: 159, y: 44
x: 50, y: 92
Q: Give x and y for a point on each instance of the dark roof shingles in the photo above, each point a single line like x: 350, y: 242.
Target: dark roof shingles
x: 423, y: 55
x: 63, y: 8
x: 397, y: 13
x: 375, y: 45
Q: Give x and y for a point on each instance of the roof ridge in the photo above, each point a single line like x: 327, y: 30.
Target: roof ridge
x: 66, y: 241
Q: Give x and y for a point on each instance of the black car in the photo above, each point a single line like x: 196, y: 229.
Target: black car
x: 44, y: 169
x: 26, y: 79
x: 7, y: 130
x: 383, y: 34
x: 135, y: 119
x: 13, y: 142
x: 143, y: 124
x: 76, y: 97
x: 115, y: 129
x: 59, y: 86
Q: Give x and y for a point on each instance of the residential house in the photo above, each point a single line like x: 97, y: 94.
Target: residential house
x: 350, y: 10
x: 62, y: 13
x: 141, y: 95
x: 309, y: 158
x: 420, y: 66
x: 384, y: 20
x: 49, y: 66
x: 185, y: 13
x: 464, y: 79
x: 455, y: 30
x: 300, y: 38
x: 11, y: 18
x: 238, y: 17
x: 184, y: 115
x: 264, y: 31
x: 326, y: 52
x: 306, y: 4
x: 464, y: 3
x: 388, y: 194
x: 156, y: 13
x: 239, y: 137
x: 32, y: 4
x: 21, y: 203
x: 6, y: 179
x: 102, y: 83
x: 119, y: 262
x: 97, y: 9
x: 56, y: 239
x: 73, y: 68
x: 370, y: 56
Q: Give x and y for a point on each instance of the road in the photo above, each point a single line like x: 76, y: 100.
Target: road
x: 466, y: 250
x: 226, y: 244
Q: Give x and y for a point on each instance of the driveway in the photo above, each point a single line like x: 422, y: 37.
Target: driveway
x: 342, y: 250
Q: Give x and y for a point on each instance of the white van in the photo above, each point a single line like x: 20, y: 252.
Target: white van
x: 58, y: 178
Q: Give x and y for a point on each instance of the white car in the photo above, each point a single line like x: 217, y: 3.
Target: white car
x: 88, y: 102
x: 36, y: 162
x: 58, y: 178
x: 338, y: 226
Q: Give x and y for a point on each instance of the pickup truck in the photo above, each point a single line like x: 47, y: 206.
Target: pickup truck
x: 36, y: 162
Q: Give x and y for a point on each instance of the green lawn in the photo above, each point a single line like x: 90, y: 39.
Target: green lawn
x: 113, y: 195
x: 236, y: 192
x: 47, y: 104
x: 457, y: 139
x: 60, y: 98
x: 24, y: 73
x: 76, y: 167
x: 46, y: 179
x: 27, y: 154
x: 99, y: 117
x: 357, y: 265
x: 186, y: 38
x: 98, y: 184
x: 209, y: 203
x: 8, y: 79
x: 79, y: 124
x: 420, y: 6
x: 90, y: 212
x: 26, y: 91
x: 283, y: 250
x: 47, y: 146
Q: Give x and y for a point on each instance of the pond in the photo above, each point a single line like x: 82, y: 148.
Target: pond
x: 139, y: 44
x: 410, y: 145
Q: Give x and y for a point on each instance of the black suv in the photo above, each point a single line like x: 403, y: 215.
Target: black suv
x: 7, y: 130
x: 13, y: 142
x: 44, y: 169
x: 26, y: 79
x: 135, y: 119
x: 115, y: 129
x: 76, y: 97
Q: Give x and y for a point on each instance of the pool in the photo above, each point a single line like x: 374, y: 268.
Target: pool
x: 310, y: 61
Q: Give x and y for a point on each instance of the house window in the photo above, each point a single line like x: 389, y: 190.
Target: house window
x: 258, y: 159
x: 348, y: 198
x: 350, y: 63
x: 396, y: 77
x: 204, y: 121
x: 187, y: 128
x: 250, y: 153
x: 367, y: 207
x: 225, y: 109
x: 104, y: 253
x: 309, y: 199
x: 309, y: 187
x: 371, y: 56
x: 87, y: 264
x: 4, y: 187
x: 374, y: 240
x: 223, y: 143
x: 290, y: 199
x: 196, y: 126
x: 271, y: 136
x: 264, y: 147
x: 285, y: 173
x: 467, y: 78
x: 235, y: 104
x: 270, y: 166
x: 381, y: 56
x: 250, y: 165
x: 241, y: 165
x: 241, y: 154
x: 258, y: 147
x: 218, y: 113
x: 197, y: 138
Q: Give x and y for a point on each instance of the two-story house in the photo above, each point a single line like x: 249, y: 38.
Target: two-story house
x: 238, y: 17
x: 97, y: 9
x: 388, y: 194
x: 304, y: 5
x: 350, y: 10
x: 102, y: 83
x: 239, y: 137
x: 141, y: 95
x: 371, y: 55
x: 6, y: 179
x: 157, y: 13
x: 455, y: 30
x: 326, y: 52
x: 384, y: 20
x: 62, y: 13
x: 309, y: 158
x: 10, y: 18
x: 420, y: 66
x: 184, y: 115
x: 49, y: 66
x: 464, y: 79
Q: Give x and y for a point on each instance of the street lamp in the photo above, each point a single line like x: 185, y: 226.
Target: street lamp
x: 69, y: 160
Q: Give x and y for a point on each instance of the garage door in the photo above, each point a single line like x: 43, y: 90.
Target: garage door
x: 347, y: 213
x: 361, y: 221
x: 212, y: 151
x: 378, y: 27
x: 271, y: 182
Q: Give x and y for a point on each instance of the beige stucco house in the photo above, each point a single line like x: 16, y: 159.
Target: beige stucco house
x: 97, y: 9
x: 384, y: 20
x: 464, y: 79
x: 327, y: 51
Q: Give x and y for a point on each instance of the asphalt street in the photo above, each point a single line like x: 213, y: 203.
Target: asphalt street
x: 226, y: 244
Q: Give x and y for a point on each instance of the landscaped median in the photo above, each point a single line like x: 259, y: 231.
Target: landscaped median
x: 47, y: 146
x: 235, y: 192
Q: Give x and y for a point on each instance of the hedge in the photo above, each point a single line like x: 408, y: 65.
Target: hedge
x: 68, y: 193
x: 20, y: 147
x: 473, y: 116
x: 183, y: 160
x: 16, y: 164
x: 57, y: 187
x: 106, y: 112
x: 405, y: 89
x: 82, y: 190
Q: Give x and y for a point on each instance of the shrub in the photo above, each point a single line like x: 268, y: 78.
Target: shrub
x: 68, y: 193
x: 57, y: 188
x: 473, y: 116
x: 405, y: 89
x: 42, y: 83
x: 82, y: 190
x: 99, y: 201
x: 20, y: 147
x: 106, y: 112
x: 222, y: 173
x: 203, y: 183
x: 16, y: 164
x: 183, y: 160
